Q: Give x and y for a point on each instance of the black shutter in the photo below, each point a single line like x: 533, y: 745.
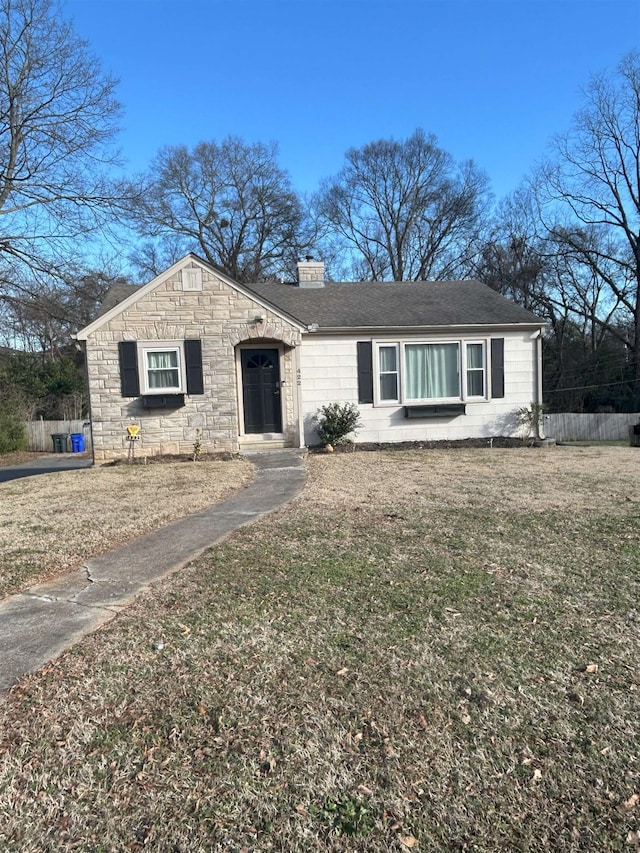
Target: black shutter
x: 128, y: 355
x: 193, y: 364
x: 497, y: 367
x: 365, y: 372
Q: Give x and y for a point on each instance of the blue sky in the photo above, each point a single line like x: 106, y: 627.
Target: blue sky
x: 492, y: 79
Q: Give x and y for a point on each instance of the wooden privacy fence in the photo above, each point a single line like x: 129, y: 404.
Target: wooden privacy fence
x: 596, y: 427
x: 562, y: 427
x: 40, y: 433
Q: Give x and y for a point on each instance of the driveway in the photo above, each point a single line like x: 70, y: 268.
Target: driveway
x: 46, y: 465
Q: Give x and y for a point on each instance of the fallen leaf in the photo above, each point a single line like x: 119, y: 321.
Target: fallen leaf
x: 408, y: 841
x: 301, y: 809
x: 342, y: 671
x: 364, y: 790
x: 631, y: 802
x: 591, y: 668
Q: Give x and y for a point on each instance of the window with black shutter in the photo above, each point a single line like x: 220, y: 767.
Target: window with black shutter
x: 365, y: 372
x: 128, y: 357
x: 497, y: 368
x: 193, y: 366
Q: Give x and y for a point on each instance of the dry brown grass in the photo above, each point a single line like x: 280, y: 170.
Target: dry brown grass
x: 426, y: 650
x: 17, y: 457
x: 52, y: 523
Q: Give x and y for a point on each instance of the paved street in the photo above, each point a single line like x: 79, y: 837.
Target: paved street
x: 46, y: 465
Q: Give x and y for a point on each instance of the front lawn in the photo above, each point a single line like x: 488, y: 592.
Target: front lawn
x: 429, y: 650
x: 53, y: 523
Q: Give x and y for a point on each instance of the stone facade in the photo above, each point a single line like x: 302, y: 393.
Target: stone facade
x: 297, y: 369
x: 225, y: 320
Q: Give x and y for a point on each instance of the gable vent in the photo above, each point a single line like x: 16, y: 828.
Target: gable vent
x: 192, y: 279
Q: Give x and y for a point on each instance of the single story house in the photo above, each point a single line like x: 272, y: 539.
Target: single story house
x: 195, y: 354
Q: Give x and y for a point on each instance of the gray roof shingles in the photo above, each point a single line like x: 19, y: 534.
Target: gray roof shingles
x: 117, y: 293
x: 359, y: 305
x: 379, y: 305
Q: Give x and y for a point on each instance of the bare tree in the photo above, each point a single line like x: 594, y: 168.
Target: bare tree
x: 405, y: 210
x: 230, y: 202
x: 590, y: 195
x: 512, y: 259
x: 44, y: 322
x: 150, y: 257
x: 58, y: 120
x: 586, y: 328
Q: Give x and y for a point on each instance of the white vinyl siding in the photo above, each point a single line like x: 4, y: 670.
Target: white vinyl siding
x: 329, y: 373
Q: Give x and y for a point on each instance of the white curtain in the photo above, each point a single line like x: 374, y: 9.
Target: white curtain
x: 432, y: 371
x: 163, y: 369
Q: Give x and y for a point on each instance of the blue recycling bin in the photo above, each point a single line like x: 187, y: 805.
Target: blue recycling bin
x: 77, y: 442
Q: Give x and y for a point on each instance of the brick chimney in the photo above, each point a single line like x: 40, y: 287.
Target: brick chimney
x: 310, y: 273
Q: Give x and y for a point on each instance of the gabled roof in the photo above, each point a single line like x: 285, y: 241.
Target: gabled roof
x: 116, y: 294
x: 344, y: 306
x: 358, y: 305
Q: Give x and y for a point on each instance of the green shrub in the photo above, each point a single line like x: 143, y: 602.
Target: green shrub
x: 13, y: 433
x: 335, y: 422
x: 346, y: 815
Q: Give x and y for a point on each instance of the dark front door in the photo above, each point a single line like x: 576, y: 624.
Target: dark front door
x: 261, y: 390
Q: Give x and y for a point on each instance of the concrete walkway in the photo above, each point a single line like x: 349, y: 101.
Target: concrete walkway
x: 39, y: 624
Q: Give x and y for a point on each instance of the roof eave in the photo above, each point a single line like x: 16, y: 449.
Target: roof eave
x: 388, y: 330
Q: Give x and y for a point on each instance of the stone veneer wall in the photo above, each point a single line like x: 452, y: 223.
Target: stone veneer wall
x: 221, y: 317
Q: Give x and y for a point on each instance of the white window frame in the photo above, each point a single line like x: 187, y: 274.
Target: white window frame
x: 404, y: 399
x: 143, y: 366
x: 379, y: 400
x: 465, y: 391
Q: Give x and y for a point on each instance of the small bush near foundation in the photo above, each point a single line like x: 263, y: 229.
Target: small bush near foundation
x: 530, y: 420
x: 337, y: 421
x: 197, y: 446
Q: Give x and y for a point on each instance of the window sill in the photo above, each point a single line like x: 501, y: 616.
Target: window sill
x: 440, y: 410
